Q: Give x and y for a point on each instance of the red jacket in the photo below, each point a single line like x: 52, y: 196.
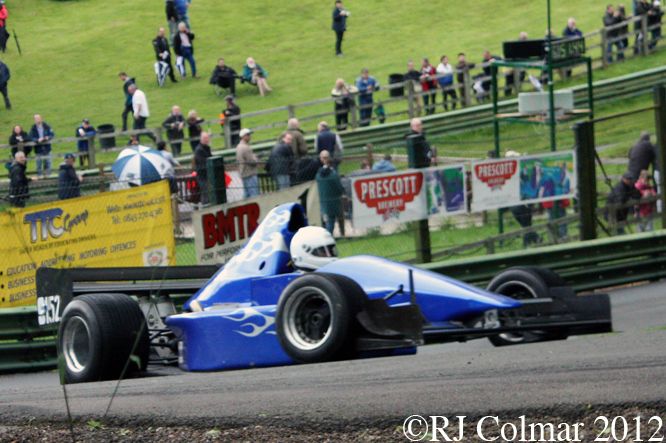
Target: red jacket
x: 3, y: 16
x: 429, y: 85
x: 645, y: 209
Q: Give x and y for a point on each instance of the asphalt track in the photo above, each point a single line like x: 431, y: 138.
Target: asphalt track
x: 624, y: 367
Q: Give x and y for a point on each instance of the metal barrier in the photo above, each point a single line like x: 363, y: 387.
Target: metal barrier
x: 585, y: 266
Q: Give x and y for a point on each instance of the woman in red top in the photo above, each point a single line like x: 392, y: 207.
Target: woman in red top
x: 429, y: 85
x: 644, y: 211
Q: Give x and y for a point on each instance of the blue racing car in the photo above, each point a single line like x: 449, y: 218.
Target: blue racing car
x: 287, y: 298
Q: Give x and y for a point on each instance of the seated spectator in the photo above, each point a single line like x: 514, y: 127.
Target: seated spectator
x: 68, y: 180
x: 256, y: 75
x: 84, y: 131
x: 224, y: 77
x: 384, y: 165
x: 446, y: 82
x: 17, y: 139
x: 415, y: 77
x: 645, y: 210
x: 194, y: 128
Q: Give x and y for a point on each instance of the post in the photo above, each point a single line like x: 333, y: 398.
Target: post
x: 417, y: 158
x: 102, y: 183
x: 644, y: 30
x: 410, y: 98
x: 352, y: 112
x: 604, y: 48
x: 290, y: 111
x: 158, y: 134
x: 587, y: 180
x: 660, y: 125
x: 91, y: 151
x: 226, y: 128
x: 467, y: 87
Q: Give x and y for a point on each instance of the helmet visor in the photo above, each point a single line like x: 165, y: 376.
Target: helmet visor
x: 326, y: 251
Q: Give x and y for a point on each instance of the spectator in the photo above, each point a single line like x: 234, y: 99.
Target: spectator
x: 419, y: 151
x: 366, y: 84
x: 384, y: 165
x: 17, y: 140
x: 40, y: 133
x: 429, y: 84
x: 83, y: 132
x: 68, y: 181
x: 164, y: 150
x: 344, y: 101
x: 298, y: 143
x: 224, y: 77
x: 331, y: 193
x: 487, y: 73
x: 140, y: 110
x: 305, y: 169
x: 256, y: 75
x: 172, y: 19
x: 644, y: 211
x: 163, y: 66
x: 280, y: 162
x: 340, y: 15
x: 571, y: 30
x: 611, y: 18
x: 4, y: 35
x: 201, y: 153
x: 235, y: 125
x: 182, y: 11
x: 642, y: 155
x: 444, y: 68
x: 415, y: 77
x: 624, y: 30
x: 127, y: 81
x: 247, y: 165
x: 194, y: 128
x: 522, y: 213
x: 174, y: 125
x: 653, y: 11
x: 621, y: 193
x: 328, y: 141
x: 18, y: 183
x: 182, y: 46
x: 4, y: 78
x: 463, y: 68
x: 523, y: 36
x: 346, y: 184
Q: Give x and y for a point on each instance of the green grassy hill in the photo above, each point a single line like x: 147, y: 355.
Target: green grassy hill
x: 73, y: 50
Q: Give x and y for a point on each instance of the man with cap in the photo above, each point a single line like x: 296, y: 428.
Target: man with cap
x: 622, y: 192
x: 83, y: 132
x: 68, y: 180
x: 247, y: 165
x: 234, y: 125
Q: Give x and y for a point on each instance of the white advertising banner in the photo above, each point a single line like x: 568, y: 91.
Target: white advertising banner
x: 220, y: 231
x: 513, y: 181
x: 406, y: 196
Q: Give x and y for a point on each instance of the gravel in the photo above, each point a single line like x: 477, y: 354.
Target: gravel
x: 362, y: 430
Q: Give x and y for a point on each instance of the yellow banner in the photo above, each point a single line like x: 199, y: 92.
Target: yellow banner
x: 132, y: 227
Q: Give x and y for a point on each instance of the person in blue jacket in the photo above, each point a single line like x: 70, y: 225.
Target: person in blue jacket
x: 366, y: 84
x: 84, y: 131
x: 340, y: 15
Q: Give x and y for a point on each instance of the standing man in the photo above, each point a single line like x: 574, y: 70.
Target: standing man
x: 419, y: 152
x: 174, y: 125
x: 280, y: 162
x: 4, y: 78
x: 83, y: 132
x: 140, y: 109
x: 18, y: 184
x: 463, y: 68
x: 622, y: 192
x: 127, y: 81
x: 247, y: 165
x: 68, y: 180
x: 366, y: 84
x: 235, y: 125
x: 487, y: 71
x: 340, y: 15
x: 41, y: 133
x: 330, y: 142
x: 612, y: 17
x: 331, y: 193
x: 161, y: 46
x: 172, y: 19
x: 182, y: 46
x: 344, y: 100
x: 201, y: 153
x: 298, y: 143
x: 181, y: 10
x: 642, y: 155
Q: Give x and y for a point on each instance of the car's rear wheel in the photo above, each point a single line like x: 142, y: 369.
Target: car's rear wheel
x: 524, y: 283
x: 98, y: 334
x: 316, y: 317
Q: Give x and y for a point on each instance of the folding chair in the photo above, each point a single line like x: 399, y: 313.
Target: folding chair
x: 162, y: 70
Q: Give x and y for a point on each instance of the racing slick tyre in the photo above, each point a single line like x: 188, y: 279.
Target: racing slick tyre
x: 316, y: 317
x: 97, y: 335
x: 523, y: 283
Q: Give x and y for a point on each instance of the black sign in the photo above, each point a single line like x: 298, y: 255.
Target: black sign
x: 570, y: 48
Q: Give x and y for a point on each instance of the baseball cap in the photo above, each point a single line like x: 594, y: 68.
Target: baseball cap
x: 245, y: 132
x: 69, y: 155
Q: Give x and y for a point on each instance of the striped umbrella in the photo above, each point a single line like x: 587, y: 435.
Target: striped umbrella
x: 141, y: 165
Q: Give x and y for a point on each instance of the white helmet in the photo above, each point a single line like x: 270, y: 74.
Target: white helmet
x: 313, y: 247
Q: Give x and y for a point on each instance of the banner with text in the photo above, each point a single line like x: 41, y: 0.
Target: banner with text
x: 513, y: 181
x: 133, y: 227
x: 406, y: 196
x: 220, y: 231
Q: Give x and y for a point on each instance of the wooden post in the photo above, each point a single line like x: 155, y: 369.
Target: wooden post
x: 290, y: 111
x: 158, y: 134
x: 410, y: 98
x: 467, y: 87
x: 604, y: 48
x: 352, y: 112
x: 227, y: 133
x: 644, y: 30
x: 102, y: 185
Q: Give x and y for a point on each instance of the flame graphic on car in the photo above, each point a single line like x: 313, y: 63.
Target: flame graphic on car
x: 250, y: 312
